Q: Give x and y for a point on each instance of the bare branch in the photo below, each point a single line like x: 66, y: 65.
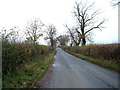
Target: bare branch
x: 96, y: 27
x: 34, y: 31
x: 86, y: 17
x: 51, y: 33
x: 76, y: 37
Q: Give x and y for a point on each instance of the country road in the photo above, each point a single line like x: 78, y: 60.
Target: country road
x: 71, y: 72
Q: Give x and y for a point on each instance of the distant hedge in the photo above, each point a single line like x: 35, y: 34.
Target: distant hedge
x: 103, y: 52
x: 15, y: 55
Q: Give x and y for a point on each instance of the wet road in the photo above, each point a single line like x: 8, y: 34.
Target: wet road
x: 71, y: 72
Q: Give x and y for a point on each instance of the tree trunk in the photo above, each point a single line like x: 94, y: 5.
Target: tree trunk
x: 52, y: 43
x: 83, y: 41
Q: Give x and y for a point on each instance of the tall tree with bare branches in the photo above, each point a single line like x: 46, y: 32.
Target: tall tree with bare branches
x: 63, y: 40
x: 75, y: 37
x: 51, y: 34
x: 86, y: 21
x: 34, y: 31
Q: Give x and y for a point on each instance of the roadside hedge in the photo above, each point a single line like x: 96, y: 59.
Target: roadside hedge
x: 110, y: 52
x: 16, y: 55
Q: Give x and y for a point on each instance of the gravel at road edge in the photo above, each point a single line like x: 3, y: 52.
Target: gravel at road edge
x: 44, y: 81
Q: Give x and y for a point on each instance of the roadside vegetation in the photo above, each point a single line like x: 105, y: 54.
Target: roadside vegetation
x: 106, y: 55
x: 24, y: 64
x: 25, y: 59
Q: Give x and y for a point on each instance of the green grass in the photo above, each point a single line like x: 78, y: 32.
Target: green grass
x: 103, y: 63
x: 28, y: 75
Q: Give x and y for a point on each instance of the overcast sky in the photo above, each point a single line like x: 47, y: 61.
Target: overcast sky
x: 58, y: 12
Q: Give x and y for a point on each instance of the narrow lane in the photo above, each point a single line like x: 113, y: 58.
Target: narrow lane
x: 71, y: 72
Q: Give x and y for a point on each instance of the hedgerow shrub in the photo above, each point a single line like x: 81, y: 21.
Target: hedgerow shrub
x: 103, y: 52
x: 16, y: 55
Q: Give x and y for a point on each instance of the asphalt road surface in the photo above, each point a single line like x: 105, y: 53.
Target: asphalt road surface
x: 71, y: 72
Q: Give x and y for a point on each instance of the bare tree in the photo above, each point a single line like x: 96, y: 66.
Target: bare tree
x: 86, y: 21
x: 51, y: 34
x: 75, y: 36
x: 63, y: 40
x: 34, y: 31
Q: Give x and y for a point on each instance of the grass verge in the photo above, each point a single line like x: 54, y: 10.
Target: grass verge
x: 28, y: 75
x: 103, y: 63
